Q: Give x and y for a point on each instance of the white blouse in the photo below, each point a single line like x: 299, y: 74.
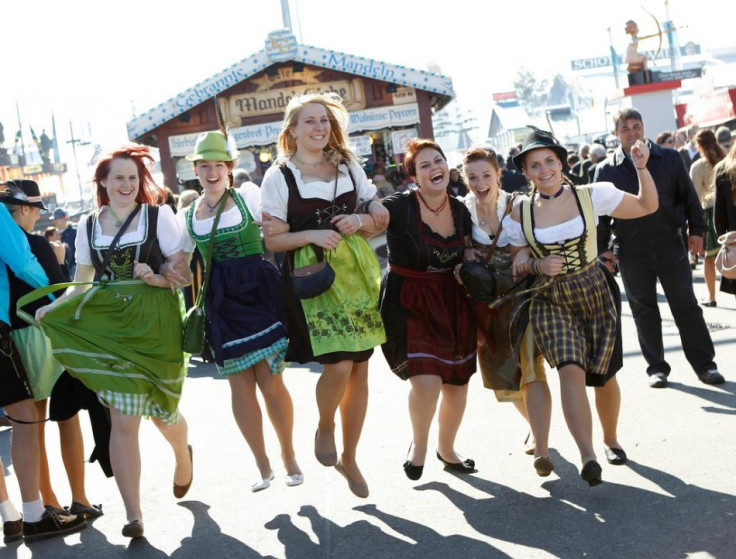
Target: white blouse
x: 275, y: 191
x: 170, y: 234
x: 479, y: 235
x: 606, y: 198
x: 250, y: 193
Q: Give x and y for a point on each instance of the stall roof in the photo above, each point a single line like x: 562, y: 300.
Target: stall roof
x: 281, y: 46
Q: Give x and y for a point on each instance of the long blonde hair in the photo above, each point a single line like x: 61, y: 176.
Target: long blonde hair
x: 727, y: 166
x: 337, y: 148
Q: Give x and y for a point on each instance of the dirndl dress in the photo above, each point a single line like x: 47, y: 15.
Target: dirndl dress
x: 575, y: 316
x: 430, y: 327
x: 123, y: 338
x: 245, y: 321
x: 343, y: 323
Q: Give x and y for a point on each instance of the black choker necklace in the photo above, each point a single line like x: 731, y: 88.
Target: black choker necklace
x: 555, y: 195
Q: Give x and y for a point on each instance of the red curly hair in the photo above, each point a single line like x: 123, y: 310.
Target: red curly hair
x: 148, y: 192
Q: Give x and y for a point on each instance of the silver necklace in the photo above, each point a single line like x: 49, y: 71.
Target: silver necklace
x: 213, y: 208
x: 315, y: 164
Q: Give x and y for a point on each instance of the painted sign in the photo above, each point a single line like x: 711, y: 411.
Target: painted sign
x: 274, y: 101
x: 404, y: 95
x: 361, y: 145
x: 399, y: 139
x: 281, y: 45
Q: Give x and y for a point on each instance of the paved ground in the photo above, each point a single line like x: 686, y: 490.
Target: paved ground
x: 675, y: 498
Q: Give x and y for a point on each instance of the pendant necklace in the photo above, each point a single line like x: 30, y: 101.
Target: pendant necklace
x: 315, y: 164
x: 552, y: 196
x: 436, y: 210
x: 213, y: 208
x: 118, y: 221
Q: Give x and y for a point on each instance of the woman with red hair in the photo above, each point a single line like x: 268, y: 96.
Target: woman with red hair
x: 118, y: 328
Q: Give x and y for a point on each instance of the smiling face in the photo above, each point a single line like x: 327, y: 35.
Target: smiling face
x: 212, y: 175
x: 432, y: 173
x: 628, y: 131
x: 312, y: 131
x: 482, y: 178
x: 543, y: 168
x: 122, y: 182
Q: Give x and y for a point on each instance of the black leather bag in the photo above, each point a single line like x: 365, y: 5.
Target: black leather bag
x: 315, y: 279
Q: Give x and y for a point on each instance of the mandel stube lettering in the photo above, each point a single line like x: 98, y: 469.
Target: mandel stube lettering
x: 274, y: 101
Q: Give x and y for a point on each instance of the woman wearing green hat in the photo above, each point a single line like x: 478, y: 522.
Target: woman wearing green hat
x: 245, y: 317
x: 322, y: 192
x: 122, y: 336
x: 573, y: 312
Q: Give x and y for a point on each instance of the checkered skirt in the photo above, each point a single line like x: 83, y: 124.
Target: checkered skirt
x: 574, y: 320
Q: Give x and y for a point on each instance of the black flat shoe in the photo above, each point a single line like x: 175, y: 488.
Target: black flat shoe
x: 464, y: 467
x: 616, y: 456
x: 90, y: 513
x: 591, y: 473
x: 412, y: 472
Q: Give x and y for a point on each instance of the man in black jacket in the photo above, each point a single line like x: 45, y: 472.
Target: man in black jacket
x: 651, y: 248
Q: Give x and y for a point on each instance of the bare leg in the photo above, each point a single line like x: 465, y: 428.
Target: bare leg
x: 576, y: 409
x: 47, y: 492
x: 425, y: 391
x: 608, y: 404
x: 353, y: 407
x: 330, y: 391
x: 24, y: 449
x: 177, y: 436
x: 72, y: 453
x: 452, y: 409
x: 247, y: 413
x: 125, y: 457
x: 280, y: 411
x: 539, y: 409
x: 709, y: 272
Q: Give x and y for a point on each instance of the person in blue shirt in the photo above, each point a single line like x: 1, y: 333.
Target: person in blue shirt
x: 15, y: 393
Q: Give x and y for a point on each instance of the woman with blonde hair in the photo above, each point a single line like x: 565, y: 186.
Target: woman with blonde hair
x: 724, y: 210
x: 701, y: 173
x: 319, y: 189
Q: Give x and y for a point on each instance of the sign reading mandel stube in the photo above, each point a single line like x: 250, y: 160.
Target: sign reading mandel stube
x: 274, y: 101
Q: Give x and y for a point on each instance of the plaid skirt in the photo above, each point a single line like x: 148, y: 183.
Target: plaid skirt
x: 574, y: 320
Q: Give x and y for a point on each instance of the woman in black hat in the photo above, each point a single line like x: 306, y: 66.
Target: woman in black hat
x: 573, y: 312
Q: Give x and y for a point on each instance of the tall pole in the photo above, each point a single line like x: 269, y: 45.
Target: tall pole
x: 74, y: 141
x: 55, y: 144
x: 614, y: 58
x: 20, y: 131
x: 286, y: 14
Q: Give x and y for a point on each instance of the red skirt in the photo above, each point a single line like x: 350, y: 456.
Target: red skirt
x: 430, y: 328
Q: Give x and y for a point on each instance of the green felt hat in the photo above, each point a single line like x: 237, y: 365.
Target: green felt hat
x: 211, y: 146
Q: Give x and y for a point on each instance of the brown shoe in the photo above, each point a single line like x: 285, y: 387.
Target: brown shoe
x: 181, y: 490
x: 133, y: 529
x: 358, y: 489
x: 544, y: 466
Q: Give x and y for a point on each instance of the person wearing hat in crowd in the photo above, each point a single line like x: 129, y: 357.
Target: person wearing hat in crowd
x: 246, y: 327
x: 573, y: 311
x: 134, y: 316
x: 36, y: 354
x: 68, y: 235
x: 16, y: 396
x: 652, y: 248
x: 319, y: 188
x: 724, y: 138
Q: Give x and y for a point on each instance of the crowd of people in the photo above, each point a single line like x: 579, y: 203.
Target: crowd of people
x: 565, y: 225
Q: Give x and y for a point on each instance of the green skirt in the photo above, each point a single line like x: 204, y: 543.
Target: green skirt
x: 35, y: 352
x: 123, y: 340
x: 346, y: 316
